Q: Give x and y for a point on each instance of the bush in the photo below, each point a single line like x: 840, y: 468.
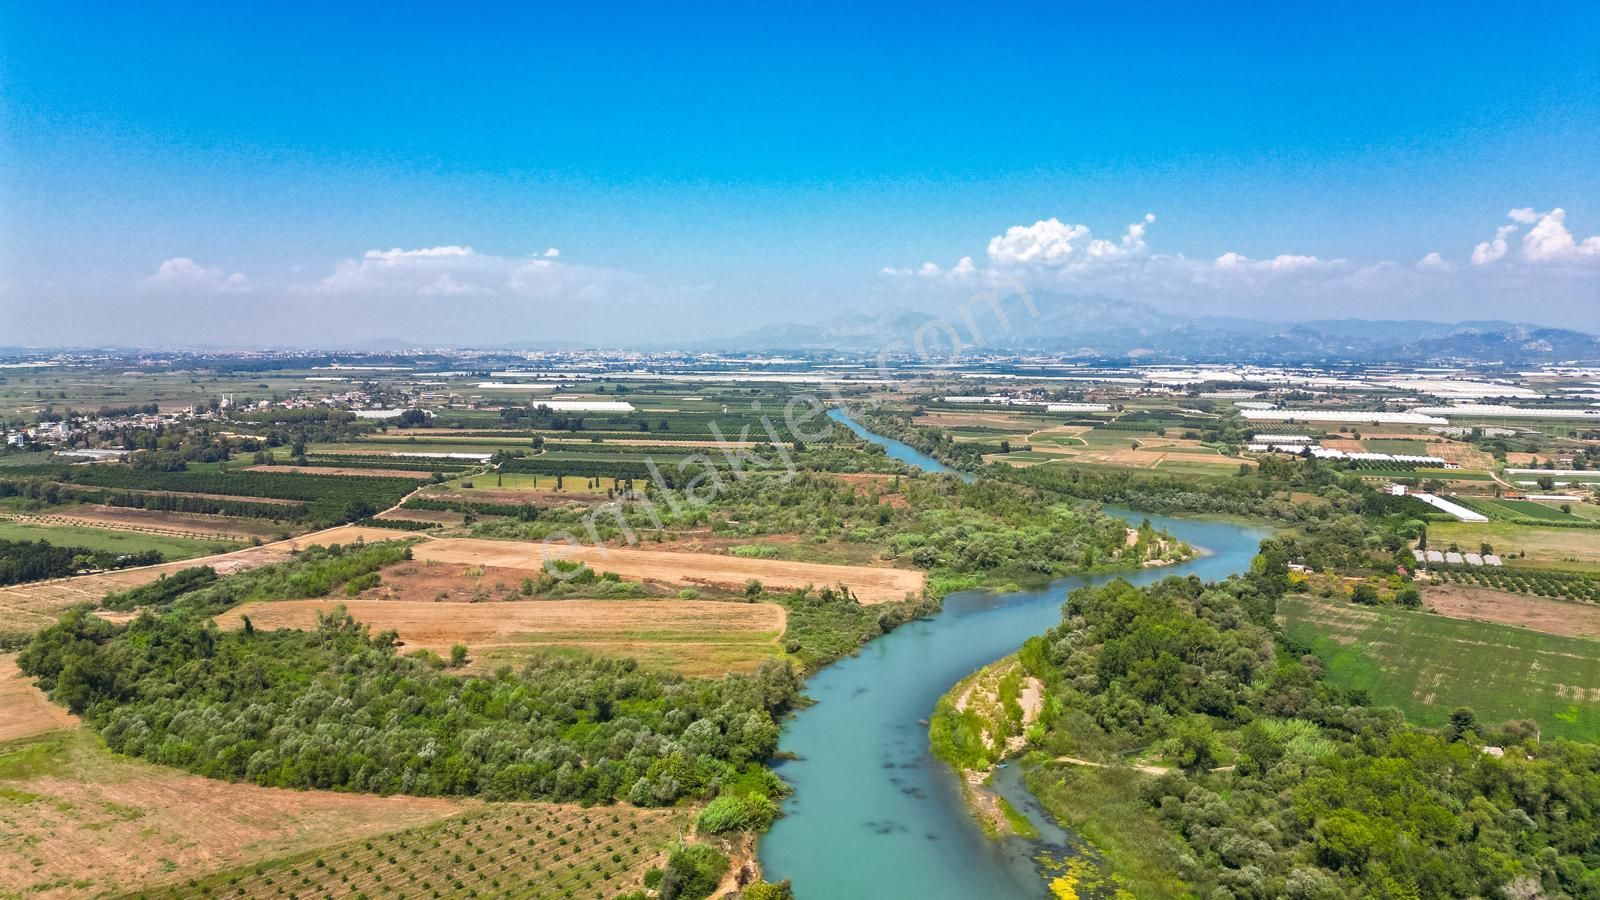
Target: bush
x: 692, y: 872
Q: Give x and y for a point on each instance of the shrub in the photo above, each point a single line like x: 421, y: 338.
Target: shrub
x: 692, y: 872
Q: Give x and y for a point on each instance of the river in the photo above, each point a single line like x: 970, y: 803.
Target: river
x: 874, y: 814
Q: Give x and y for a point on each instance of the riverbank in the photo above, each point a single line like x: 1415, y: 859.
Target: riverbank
x: 983, y: 720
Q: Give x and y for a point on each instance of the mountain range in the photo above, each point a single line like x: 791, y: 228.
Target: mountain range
x: 1105, y: 328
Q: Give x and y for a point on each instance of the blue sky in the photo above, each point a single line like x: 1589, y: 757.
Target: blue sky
x: 746, y: 163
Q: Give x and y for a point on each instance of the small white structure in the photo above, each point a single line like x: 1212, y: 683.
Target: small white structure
x: 1472, y: 559
x: 1454, y: 509
x: 1489, y: 559
x: 616, y: 406
x: 1077, y: 407
x: 1453, y: 558
x: 1434, y: 556
x: 1341, y: 415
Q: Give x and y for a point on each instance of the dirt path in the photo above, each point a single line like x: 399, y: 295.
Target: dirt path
x: 1147, y: 770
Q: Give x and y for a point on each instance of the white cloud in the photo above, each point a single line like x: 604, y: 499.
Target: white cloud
x: 1492, y: 251
x: 1433, y: 261
x: 1550, y: 241
x: 1284, y: 262
x: 397, y: 255
x: 1053, y: 243
x: 552, y: 253
x: 182, y: 274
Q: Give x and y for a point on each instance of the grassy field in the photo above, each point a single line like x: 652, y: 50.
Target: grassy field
x: 1427, y: 665
x: 1574, y: 549
x: 115, y: 541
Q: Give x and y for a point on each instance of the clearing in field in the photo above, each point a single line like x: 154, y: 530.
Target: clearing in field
x: 694, y: 637
x: 1427, y: 665
x: 870, y: 584
x: 1544, y: 614
x: 77, y: 820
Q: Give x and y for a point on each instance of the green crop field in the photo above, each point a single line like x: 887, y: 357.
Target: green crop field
x: 1427, y: 665
x: 113, y: 541
x: 1401, y: 447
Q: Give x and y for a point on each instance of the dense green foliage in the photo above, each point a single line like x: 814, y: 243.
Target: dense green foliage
x: 1328, y: 798
x: 339, y: 708
x: 998, y: 530
x: 163, y: 590
x: 692, y: 872
x: 826, y: 624
x: 36, y: 560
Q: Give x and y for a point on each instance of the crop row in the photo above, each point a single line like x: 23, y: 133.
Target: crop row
x: 508, y: 850
x: 1540, y: 582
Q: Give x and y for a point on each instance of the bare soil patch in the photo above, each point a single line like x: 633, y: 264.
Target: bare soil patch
x: 80, y: 821
x: 24, y: 709
x: 1524, y: 611
x: 695, y: 637
x: 870, y: 584
x: 438, y: 516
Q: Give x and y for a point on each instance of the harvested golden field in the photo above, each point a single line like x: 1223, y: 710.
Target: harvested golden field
x: 343, y: 470
x: 28, y: 607
x: 870, y: 584
x: 24, y: 710
x: 695, y: 637
x: 77, y: 820
x: 1522, y: 610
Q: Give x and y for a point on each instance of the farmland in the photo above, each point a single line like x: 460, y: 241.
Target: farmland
x: 1576, y: 549
x: 870, y: 584
x: 77, y: 820
x: 694, y: 637
x: 505, y: 850
x: 112, y: 540
x: 1427, y: 665
x: 1462, y: 601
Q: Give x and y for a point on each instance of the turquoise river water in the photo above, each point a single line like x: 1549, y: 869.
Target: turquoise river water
x: 874, y: 814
